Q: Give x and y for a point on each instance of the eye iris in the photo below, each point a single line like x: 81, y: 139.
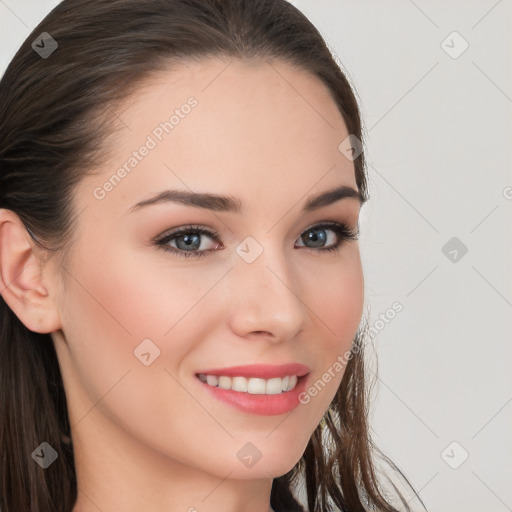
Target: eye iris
x: 314, y: 236
x: 191, y: 241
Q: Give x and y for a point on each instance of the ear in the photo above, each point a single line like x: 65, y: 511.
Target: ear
x: 21, y: 278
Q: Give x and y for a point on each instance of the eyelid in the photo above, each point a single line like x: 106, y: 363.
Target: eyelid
x: 344, y: 231
x: 186, y: 229
x: 334, y: 224
x: 211, y: 232
x: 163, y: 240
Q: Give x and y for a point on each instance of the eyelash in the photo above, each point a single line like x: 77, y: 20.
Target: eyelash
x: 342, y: 230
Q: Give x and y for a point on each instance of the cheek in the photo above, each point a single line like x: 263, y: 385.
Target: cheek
x: 130, y: 297
x: 113, y: 304
x: 336, y: 297
x: 336, y: 308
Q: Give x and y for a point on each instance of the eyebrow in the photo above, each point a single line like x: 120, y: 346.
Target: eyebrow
x: 220, y: 203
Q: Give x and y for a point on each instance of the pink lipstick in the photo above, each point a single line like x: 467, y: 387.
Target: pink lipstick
x: 258, y: 389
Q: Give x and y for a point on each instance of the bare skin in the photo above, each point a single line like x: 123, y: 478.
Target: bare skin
x: 150, y: 437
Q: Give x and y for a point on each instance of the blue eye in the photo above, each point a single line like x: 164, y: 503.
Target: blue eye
x: 316, y: 234
x: 187, y: 240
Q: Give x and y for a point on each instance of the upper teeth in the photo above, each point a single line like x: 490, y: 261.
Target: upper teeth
x: 253, y: 385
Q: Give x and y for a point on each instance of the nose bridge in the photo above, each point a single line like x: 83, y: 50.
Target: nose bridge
x: 267, y: 297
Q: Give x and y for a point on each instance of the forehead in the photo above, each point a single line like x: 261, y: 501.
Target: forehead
x: 248, y: 128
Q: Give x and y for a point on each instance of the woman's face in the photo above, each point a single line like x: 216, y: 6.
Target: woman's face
x: 140, y: 322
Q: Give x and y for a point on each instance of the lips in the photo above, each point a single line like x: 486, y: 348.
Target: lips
x: 258, y: 388
x: 254, y: 400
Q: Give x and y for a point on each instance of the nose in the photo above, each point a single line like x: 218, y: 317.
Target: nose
x: 267, y: 298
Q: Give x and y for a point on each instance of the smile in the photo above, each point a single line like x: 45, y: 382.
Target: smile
x: 253, y: 385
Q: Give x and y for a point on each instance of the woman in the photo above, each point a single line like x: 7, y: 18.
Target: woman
x: 180, y: 186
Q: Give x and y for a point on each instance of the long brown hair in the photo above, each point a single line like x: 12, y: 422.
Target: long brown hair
x: 55, y: 120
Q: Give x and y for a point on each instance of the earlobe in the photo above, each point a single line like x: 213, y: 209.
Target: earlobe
x: 21, y: 278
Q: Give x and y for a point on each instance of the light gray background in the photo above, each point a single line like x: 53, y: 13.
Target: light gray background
x: 439, y: 133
